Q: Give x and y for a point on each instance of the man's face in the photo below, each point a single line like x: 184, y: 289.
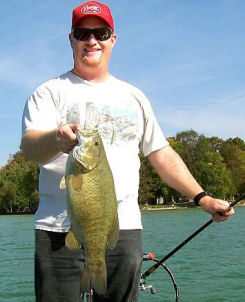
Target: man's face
x: 92, y: 52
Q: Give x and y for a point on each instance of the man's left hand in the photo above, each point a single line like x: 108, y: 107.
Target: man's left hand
x: 220, y: 209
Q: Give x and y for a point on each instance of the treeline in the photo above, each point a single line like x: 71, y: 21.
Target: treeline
x: 218, y: 165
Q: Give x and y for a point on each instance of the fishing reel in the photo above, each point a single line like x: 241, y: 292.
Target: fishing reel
x: 87, y: 296
x: 143, y: 287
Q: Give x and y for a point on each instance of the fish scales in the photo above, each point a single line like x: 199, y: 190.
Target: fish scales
x: 91, y: 206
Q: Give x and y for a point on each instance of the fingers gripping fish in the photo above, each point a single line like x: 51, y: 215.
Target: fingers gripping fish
x: 91, y: 207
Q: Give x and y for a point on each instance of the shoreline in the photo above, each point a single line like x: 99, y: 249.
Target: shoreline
x: 167, y: 208
x: 142, y: 208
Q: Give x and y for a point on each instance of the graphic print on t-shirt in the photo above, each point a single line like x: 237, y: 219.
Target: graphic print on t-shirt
x: 115, y: 123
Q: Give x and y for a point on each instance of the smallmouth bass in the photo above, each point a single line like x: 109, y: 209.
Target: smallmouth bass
x: 91, y: 207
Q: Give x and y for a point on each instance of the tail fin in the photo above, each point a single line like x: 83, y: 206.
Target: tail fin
x: 94, y: 278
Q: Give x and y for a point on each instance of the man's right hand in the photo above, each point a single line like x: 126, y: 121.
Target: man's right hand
x: 66, y: 138
x: 41, y: 146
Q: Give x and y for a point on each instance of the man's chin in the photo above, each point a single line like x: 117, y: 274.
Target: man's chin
x: 91, y: 62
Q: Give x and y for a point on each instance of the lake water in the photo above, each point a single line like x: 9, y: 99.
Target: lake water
x: 210, y: 268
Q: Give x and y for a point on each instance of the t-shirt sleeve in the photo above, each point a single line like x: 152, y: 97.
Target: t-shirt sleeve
x: 41, y: 112
x: 153, y: 138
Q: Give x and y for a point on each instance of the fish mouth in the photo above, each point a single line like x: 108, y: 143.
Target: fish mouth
x: 85, y: 133
x: 87, y: 151
x: 77, y: 155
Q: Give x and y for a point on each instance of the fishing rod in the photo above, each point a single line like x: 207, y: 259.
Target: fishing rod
x: 153, y: 268
x: 142, y: 286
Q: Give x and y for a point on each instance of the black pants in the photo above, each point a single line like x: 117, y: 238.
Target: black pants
x: 58, y: 270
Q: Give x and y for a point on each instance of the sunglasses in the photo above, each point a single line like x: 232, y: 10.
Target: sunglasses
x: 83, y: 34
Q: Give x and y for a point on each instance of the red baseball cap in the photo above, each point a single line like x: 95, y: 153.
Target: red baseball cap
x: 92, y: 8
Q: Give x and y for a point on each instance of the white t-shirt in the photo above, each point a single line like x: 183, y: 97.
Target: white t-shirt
x: 126, y: 124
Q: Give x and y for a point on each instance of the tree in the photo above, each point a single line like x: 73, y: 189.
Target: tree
x: 150, y: 183
x: 213, y: 175
x: 7, y: 196
x: 237, y: 142
x: 22, y: 175
x: 188, y: 140
x: 234, y: 158
x: 202, y: 156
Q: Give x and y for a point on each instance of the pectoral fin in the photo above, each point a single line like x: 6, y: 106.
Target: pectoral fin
x: 71, y: 241
x: 63, y: 183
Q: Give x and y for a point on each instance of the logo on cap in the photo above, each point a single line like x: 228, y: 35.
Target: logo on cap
x: 91, y: 9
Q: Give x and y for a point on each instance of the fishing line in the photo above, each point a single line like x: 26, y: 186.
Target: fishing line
x: 204, y: 105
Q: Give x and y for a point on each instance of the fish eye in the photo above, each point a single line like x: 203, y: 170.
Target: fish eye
x: 96, y: 144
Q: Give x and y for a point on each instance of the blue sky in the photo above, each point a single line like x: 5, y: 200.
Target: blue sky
x: 188, y: 56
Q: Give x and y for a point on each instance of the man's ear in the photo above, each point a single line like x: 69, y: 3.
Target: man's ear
x: 71, y: 39
x: 113, y: 40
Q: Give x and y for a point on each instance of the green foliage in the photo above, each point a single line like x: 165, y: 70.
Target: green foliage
x: 234, y: 157
x: 213, y: 175
x: 218, y: 165
x: 18, y: 183
x: 8, y: 192
x: 237, y: 142
x: 150, y: 184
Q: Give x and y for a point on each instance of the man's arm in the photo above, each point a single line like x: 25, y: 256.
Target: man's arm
x: 171, y: 168
x: 41, y: 146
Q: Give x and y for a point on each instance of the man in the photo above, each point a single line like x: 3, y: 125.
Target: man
x: 89, y: 95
